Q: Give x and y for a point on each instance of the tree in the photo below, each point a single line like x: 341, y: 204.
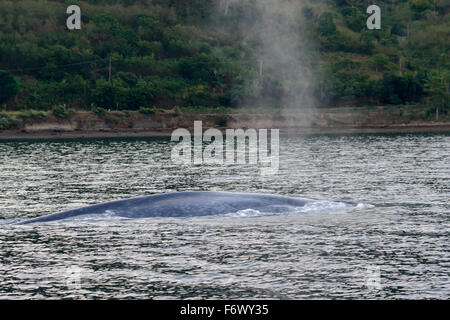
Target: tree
x: 380, y: 61
x: 401, y: 89
x: 326, y: 25
x: 438, y: 90
x: 420, y: 6
x: 8, y: 87
x: 354, y: 18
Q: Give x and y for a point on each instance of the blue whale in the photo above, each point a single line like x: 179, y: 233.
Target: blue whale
x: 183, y: 204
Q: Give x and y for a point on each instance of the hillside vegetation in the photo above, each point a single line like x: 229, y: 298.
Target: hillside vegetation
x: 168, y: 53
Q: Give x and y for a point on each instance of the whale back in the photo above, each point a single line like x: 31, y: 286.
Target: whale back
x: 182, y: 204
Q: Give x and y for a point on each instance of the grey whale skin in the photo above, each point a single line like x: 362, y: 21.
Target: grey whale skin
x: 183, y: 204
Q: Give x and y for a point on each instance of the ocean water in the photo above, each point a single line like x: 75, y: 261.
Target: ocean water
x: 393, y: 242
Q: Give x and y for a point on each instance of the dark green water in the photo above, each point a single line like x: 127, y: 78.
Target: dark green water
x: 394, y: 244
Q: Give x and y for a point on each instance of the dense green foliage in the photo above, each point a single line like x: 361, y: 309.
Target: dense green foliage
x: 167, y: 53
x: 8, y: 85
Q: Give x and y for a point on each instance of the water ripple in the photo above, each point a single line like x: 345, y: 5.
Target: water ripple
x: 394, y: 244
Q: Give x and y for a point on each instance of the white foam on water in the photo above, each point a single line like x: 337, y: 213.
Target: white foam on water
x: 107, y: 215
x: 316, y: 207
x: 248, y: 213
x: 326, y: 207
x: 363, y: 206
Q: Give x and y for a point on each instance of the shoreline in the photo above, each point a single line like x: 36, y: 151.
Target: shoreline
x: 120, y: 124
x: 98, y: 134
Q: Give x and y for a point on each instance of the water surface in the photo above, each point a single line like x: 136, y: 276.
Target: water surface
x: 394, y: 244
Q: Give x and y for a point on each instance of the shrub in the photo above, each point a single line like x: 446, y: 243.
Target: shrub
x: 425, y: 115
x: 60, y: 111
x: 32, y: 114
x: 6, y: 121
x: 147, y: 111
x: 100, y: 111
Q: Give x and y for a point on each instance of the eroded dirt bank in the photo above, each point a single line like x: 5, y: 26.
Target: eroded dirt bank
x: 128, y: 124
